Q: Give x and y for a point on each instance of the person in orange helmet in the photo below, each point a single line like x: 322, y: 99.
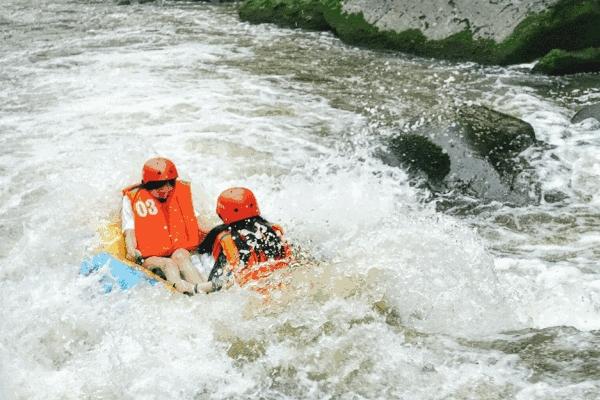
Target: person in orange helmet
x: 246, y: 247
x: 160, y: 225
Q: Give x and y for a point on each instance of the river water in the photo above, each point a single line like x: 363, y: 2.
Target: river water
x: 391, y: 298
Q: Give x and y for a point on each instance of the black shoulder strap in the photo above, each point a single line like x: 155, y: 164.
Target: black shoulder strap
x: 207, y: 244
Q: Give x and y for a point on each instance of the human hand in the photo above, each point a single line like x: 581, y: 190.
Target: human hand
x: 134, y: 255
x: 229, y: 280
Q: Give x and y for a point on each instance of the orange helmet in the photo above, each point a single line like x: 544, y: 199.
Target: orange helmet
x: 158, y: 169
x: 236, y: 204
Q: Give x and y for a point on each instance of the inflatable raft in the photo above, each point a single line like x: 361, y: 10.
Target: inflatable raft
x: 114, y: 268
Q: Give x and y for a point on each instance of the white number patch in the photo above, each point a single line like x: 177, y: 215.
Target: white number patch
x: 147, y: 208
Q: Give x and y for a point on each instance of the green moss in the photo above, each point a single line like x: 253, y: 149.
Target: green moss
x: 560, y: 62
x: 419, y: 153
x: 462, y: 46
x: 352, y: 28
x: 289, y: 13
x: 570, y: 24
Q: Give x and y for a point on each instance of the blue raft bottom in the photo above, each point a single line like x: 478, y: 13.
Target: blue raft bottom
x: 117, y: 273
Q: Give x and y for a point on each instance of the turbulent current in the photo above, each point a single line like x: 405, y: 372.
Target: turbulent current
x: 391, y: 298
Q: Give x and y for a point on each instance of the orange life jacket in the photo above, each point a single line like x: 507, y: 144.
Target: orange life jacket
x: 162, y: 228
x: 247, y: 256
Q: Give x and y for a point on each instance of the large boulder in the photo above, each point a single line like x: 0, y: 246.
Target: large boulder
x: 592, y: 111
x: 477, y: 157
x: 473, y: 176
x: 561, y: 62
x: 488, y: 31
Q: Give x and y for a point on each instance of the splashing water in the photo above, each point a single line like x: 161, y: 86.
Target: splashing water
x: 391, y: 298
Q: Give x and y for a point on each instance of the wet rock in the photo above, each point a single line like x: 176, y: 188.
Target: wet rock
x: 497, y: 137
x: 419, y: 154
x: 487, y: 31
x: 461, y: 175
x: 305, y: 14
x: 592, y: 111
x: 124, y: 2
x: 560, y: 62
x: 473, y: 180
x: 555, y: 196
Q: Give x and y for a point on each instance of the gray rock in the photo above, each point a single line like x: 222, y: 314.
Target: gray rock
x: 586, y: 112
x: 488, y: 19
x: 450, y: 164
x: 472, y: 174
x: 496, y: 137
x: 419, y: 154
x: 555, y: 196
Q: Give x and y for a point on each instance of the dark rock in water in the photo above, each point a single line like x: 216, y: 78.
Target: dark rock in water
x: 473, y: 177
x: 592, y: 111
x: 560, y: 62
x: 457, y: 174
x: 418, y: 153
x: 497, y: 137
x: 555, y: 196
x: 124, y: 2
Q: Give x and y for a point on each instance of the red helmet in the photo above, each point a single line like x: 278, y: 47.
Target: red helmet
x: 158, y: 169
x: 236, y: 204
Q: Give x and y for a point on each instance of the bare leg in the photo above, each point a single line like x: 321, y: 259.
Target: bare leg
x: 182, y: 258
x: 171, y: 270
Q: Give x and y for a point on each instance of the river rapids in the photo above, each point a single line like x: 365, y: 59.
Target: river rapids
x: 391, y: 298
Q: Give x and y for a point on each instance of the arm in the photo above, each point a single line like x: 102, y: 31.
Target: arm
x: 128, y: 228
x: 133, y: 253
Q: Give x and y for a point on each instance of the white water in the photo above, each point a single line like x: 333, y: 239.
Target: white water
x: 395, y: 301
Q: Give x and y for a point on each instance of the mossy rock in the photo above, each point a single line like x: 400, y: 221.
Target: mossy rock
x: 304, y: 14
x: 560, y: 62
x: 495, y: 136
x: 569, y: 24
x: 418, y: 153
x: 354, y: 29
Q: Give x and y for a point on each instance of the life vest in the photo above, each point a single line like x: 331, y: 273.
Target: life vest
x: 253, y: 248
x: 162, y: 228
